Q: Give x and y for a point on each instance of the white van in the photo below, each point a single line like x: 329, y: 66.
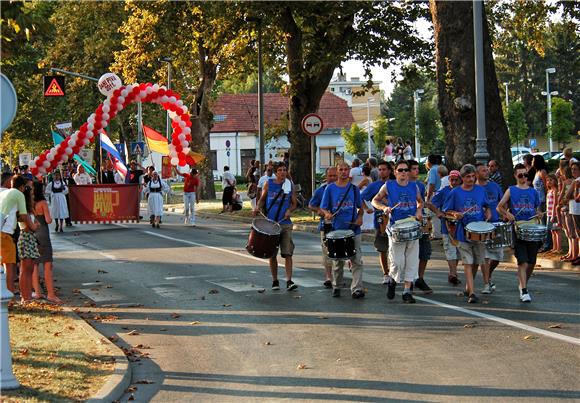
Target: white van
x: 520, y: 150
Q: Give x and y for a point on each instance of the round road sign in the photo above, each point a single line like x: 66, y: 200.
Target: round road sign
x: 312, y: 124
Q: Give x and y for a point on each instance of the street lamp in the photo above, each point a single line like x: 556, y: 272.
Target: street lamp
x: 168, y: 60
x: 258, y: 22
x: 416, y: 99
x: 507, y: 102
x: 369, y: 100
x: 549, y: 71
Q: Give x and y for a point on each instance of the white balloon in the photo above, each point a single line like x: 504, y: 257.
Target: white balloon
x: 121, y: 100
x: 91, y: 119
x: 184, y: 144
x: 164, y: 99
x: 106, y: 116
x: 50, y: 156
x: 68, y: 151
x: 104, y: 123
x: 186, y: 150
x: 42, y: 170
x: 106, y: 108
x: 185, y: 109
x: 46, y: 164
x: 90, y: 127
x: 186, y: 130
x: 124, y: 93
x: 182, y: 124
x: 155, y: 87
x: 119, y: 107
x: 108, y: 83
x: 63, y: 158
x: 179, y: 103
x: 172, y: 99
x: 174, y: 161
x: 86, y: 142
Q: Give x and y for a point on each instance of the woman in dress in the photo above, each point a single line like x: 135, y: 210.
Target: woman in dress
x: 42, y: 214
x: 155, y: 189
x: 58, y: 190
x: 27, y: 250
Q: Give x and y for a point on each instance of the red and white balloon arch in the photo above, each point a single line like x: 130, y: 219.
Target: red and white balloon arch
x: 118, y: 100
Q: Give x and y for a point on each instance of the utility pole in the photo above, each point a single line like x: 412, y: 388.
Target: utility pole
x: 481, y: 154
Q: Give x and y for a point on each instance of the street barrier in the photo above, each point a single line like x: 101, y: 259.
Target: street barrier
x: 101, y: 204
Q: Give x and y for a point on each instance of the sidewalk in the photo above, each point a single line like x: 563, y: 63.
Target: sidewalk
x: 438, y: 253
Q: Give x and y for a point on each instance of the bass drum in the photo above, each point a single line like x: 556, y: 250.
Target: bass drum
x: 340, y: 245
x: 264, y: 238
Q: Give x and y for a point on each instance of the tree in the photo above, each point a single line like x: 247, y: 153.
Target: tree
x: 354, y: 139
x: 516, y: 121
x: 453, y: 23
x: 562, y: 120
x: 380, y: 133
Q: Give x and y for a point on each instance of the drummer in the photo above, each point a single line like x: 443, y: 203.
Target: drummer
x: 399, y: 200
x: 524, y: 203
x: 470, y: 204
x: 279, y: 199
x: 381, y: 239
x: 493, y: 256
x: 435, y: 205
x: 341, y: 204
x: 314, y: 206
x: 425, y: 240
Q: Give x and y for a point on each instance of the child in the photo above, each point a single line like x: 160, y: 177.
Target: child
x: 551, y: 210
x: 27, y: 250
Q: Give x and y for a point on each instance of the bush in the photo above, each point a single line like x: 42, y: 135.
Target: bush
x: 241, y: 179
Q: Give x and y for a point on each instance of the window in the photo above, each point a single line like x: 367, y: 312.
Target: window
x: 327, y: 156
x: 213, y: 158
x: 246, y: 156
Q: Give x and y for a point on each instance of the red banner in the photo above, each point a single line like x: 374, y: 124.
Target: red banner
x: 104, y: 203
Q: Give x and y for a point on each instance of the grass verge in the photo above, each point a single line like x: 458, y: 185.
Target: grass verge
x: 53, y: 358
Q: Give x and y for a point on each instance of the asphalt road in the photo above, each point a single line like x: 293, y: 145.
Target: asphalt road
x: 217, y: 332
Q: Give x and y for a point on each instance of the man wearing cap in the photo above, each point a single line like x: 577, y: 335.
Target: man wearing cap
x: 470, y: 205
x: 435, y: 205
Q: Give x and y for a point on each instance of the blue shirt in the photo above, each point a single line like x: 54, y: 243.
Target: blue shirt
x: 438, y: 200
x: 282, y: 203
x: 523, y: 202
x: 470, y: 203
x: 369, y: 193
x: 493, y: 195
x: 405, y: 197
x: 316, y: 200
x: 348, y: 213
x: 433, y: 177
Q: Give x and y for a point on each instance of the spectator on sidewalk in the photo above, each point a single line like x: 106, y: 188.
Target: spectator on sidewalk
x: 228, y: 185
x: 82, y: 177
x: 494, y: 173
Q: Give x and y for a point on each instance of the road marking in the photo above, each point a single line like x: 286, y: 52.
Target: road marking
x: 180, y: 277
x: 507, y: 322
x: 236, y: 285
x: 167, y: 291
x: 101, y: 295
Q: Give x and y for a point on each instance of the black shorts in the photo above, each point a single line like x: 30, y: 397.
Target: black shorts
x: 228, y: 196
x: 526, y: 251
x: 424, y: 247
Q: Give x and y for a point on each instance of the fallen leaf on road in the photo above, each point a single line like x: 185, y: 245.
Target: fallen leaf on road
x: 23, y: 351
x: 131, y: 389
x: 142, y: 346
x: 558, y: 326
x: 175, y: 315
x: 531, y: 337
x: 144, y: 382
x: 485, y: 302
x: 102, y: 271
x: 470, y: 325
x: 459, y: 294
x: 76, y: 310
x: 113, y: 338
x: 261, y: 290
x: 302, y: 366
x: 162, y: 329
x: 133, y: 333
x: 267, y: 343
x: 226, y: 305
x: 132, y: 397
x: 195, y: 322
x: 108, y: 286
x: 56, y: 334
x: 203, y: 297
x: 76, y: 291
x: 297, y: 296
x: 323, y: 317
x: 213, y: 291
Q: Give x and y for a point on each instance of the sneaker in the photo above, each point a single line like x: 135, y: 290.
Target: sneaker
x: 391, y: 287
x: 472, y: 299
x: 526, y: 297
x: 327, y: 284
x: 453, y: 280
x: 358, y: 294
x: 336, y: 292
x: 290, y: 286
x: 386, y: 279
x: 492, y: 285
x: 408, y: 298
x: 275, y: 285
x: 422, y: 285
x: 487, y: 289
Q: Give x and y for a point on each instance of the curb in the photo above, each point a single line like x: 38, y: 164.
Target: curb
x: 542, y: 264
x: 120, y: 379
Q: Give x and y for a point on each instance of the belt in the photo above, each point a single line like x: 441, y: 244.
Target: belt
x: 155, y: 190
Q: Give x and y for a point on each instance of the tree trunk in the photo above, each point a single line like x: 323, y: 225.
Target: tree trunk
x: 453, y: 25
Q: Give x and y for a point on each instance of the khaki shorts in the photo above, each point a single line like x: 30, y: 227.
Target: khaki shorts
x: 286, y: 244
x: 494, y: 254
x: 451, y: 252
x: 8, y: 249
x: 472, y: 252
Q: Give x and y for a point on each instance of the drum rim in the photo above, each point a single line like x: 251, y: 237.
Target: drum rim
x: 350, y: 235
x: 480, y: 232
x: 276, y: 225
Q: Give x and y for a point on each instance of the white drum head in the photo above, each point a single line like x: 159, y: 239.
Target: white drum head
x: 340, y: 234
x: 480, y: 227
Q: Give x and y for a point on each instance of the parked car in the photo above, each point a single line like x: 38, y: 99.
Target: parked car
x: 520, y: 150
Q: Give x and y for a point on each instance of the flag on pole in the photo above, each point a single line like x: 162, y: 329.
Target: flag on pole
x: 155, y: 141
x: 57, y: 139
x: 108, y: 146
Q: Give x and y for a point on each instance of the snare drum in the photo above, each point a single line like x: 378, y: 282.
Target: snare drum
x: 531, y: 232
x: 479, y: 231
x: 264, y: 238
x: 503, y: 235
x: 340, y: 244
x: 406, y: 231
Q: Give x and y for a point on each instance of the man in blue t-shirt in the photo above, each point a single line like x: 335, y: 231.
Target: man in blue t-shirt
x: 493, y: 256
x: 279, y: 200
x: 435, y: 205
x: 314, y: 206
x: 524, y: 204
x: 470, y: 204
x: 341, y: 203
x: 385, y: 171
x: 400, y: 200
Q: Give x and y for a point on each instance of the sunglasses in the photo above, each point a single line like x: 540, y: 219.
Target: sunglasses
x: 520, y: 176
x: 403, y: 170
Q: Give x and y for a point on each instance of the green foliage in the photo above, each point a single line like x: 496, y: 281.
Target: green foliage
x: 380, y: 133
x: 354, y: 139
x: 562, y: 120
x: 516, y: 122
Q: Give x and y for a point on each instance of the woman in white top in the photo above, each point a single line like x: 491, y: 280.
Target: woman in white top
x: 407, y: 151
x: 155, y: 188
x: 82, y: 177
x: 356, y: 175
x: 57, y: 191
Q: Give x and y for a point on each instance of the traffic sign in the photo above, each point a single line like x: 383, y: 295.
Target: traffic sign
x: 54, y: 86
x: 228, y: 153
x: 312, y: 124
x: 9, y: 103
x: 137, y: 147
x: 228, y: 143
x: 533, y: 143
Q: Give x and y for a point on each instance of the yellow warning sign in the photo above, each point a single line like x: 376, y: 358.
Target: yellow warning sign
x: 54, y: 86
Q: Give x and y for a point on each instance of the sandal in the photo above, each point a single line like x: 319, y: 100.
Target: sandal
x: 55, y: 300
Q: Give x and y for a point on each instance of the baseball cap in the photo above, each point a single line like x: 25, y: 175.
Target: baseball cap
x: 455, y: 173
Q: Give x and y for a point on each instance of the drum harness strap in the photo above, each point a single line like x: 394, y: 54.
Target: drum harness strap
x: 350, y: 185
x: 279, y: 206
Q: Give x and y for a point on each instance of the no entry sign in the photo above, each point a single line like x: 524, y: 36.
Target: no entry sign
x: 312, y: 124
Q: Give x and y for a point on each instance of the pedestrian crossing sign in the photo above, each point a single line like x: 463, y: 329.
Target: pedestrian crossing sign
x: 54, y: 86
x: 137, y: 147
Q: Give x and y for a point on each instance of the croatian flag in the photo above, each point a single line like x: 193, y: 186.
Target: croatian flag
x: 107, y: 145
